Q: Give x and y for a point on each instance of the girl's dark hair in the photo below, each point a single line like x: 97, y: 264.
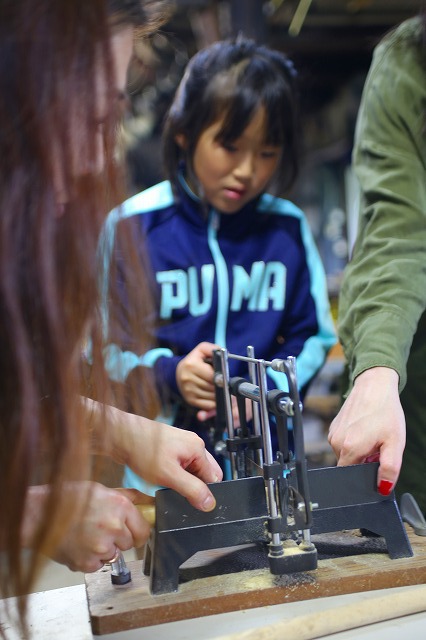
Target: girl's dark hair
x: 230, y: 80
x: 50, y: 53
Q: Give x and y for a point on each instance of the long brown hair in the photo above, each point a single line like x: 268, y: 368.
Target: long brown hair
x: 49, y: 54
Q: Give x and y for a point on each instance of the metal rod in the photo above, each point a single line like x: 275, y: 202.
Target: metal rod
x: 120, y: 574
x: 251, y: 392
x: 228, y: 406
x: 267, y: 445
x: 299, y: 446
x: 234, y: 356
x: 254, y: 405
x: 264, y: 416
x: 276, y: 363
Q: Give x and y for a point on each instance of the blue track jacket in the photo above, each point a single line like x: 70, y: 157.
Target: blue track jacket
x: 250, y: 278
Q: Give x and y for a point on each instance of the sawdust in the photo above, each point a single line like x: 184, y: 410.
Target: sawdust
x: 293, y: 580
x: 261, y: 579
x: 252, y: 565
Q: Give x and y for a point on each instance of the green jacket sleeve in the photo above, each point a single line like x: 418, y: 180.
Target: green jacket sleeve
x: 383, y: 293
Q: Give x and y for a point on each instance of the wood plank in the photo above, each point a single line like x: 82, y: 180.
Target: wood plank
x: 230, y: 581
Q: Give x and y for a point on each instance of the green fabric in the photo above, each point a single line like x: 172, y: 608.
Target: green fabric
x: 383, y: 297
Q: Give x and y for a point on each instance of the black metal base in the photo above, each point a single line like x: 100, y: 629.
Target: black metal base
x: 180, y: 530
x: 347, y: 498
x: 297, y: 558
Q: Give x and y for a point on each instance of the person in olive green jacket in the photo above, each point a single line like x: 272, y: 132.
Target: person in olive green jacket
x: 382, y: 319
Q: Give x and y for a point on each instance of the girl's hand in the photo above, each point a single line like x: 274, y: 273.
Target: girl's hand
x: 105, y: 520
x: 371, y: 425
x: 194, y: 377
x: 205, y: 415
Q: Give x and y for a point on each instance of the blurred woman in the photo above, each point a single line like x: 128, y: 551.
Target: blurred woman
x: 62, y: 80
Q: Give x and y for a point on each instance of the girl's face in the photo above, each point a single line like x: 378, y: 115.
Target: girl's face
x: 231, y: 175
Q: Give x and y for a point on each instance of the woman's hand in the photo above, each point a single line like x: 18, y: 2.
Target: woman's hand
x: 105, y: 520
x: 160, y: 454
x: 371, y: 425
x: 170, y: 457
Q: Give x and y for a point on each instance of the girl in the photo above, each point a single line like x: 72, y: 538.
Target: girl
x: 234, y: 265
x: 62, y: 78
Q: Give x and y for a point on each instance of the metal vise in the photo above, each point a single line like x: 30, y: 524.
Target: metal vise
x: 285, y: 476
x: 271, y: 499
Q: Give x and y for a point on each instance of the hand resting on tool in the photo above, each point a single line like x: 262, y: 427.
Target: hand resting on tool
x: 105, y: 519
x: 160, y: 454
x: 194, y: 378
x: 371, y: 424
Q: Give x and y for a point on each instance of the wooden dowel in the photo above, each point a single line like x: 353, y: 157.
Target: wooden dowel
x: 342, y: 618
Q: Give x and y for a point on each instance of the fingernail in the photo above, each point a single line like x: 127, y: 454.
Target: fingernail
x: 385, y: 487
x: 209, y: 503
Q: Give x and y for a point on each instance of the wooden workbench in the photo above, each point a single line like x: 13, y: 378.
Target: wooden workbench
x: 237, y: 579
x: 63, y: 613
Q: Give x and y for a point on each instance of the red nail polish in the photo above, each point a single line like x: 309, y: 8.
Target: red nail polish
x: 385, y: 487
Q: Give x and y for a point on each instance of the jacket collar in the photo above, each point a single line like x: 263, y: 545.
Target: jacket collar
x: 199, y: 213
